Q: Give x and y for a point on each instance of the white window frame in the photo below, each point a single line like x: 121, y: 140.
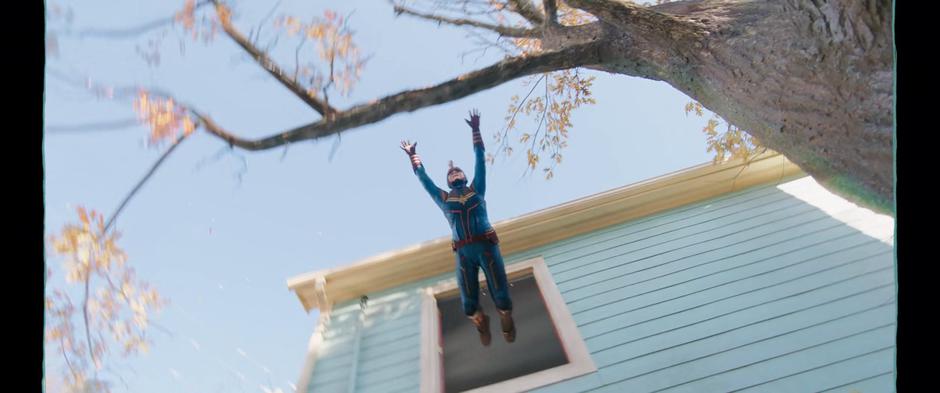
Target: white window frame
x: 580, y: 362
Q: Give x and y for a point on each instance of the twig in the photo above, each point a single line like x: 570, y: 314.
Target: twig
x: 102, y: 126
x: 128, y: 32
x: 514, y: 113
x: 507, y: 31
x: 147, y: 176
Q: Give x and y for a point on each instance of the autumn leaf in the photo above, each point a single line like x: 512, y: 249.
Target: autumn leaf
x: 733, y: 143
x: 549, y: 113
x: 205, y: 29
x: 115, y: 309
x: 340, y: 61
x: 533, y: 159
x: 167, y: 120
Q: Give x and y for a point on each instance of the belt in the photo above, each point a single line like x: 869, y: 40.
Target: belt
x: 488, y: 236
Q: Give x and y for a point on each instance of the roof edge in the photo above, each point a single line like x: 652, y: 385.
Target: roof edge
x: 321, y: 289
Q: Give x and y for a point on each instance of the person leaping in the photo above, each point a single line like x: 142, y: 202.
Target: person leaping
x: 474, y: 243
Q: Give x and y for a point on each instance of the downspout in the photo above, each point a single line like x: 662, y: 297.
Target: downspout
x: 354, y: 367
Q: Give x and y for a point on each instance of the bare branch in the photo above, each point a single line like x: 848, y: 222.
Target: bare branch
x: 128, y: 32
x: 144, y: 180
x: 486, y: 10
x: 303, y: 40
x: 91, y: 127
x: 502, y: 30
x: 269, y: 65
x: 535, y: 136
x: 465, y: 7
x: 630, y: 17
x: 103, y: 90
x: 268, y: 17
x: 65, y: 355
x: 411, y: 100
x: 505, y: 134
x: 551, y: 12
x: 547, y: 99
x: 487, y: 43
x: 525, y: 9
x: 124, y: 92
x: 91, y: 352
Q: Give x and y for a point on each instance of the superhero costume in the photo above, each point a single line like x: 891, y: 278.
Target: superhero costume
x: 474, y: 240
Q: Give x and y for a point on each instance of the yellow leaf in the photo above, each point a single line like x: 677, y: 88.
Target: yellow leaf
x: 533, y: 159
x: 82, y: 215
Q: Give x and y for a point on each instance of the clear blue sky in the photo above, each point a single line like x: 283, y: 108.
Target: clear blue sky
x: 221, y: 248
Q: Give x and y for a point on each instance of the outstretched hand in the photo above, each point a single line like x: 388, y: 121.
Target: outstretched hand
x: 409, y: 147
x: 474, y: 121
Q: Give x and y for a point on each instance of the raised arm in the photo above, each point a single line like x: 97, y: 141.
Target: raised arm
x: 436, y: 193
x: 479, y: 168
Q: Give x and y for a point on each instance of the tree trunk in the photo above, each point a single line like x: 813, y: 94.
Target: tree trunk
x: 812, y: 79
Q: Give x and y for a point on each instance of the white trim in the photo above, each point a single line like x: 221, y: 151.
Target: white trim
x: 312, y: 349
x: 357, y: 343
x: 320, y: 297
x: 579, y: 359
x: 435, y: 257
x: 431, y: 351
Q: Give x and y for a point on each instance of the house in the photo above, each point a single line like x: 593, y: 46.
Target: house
x: 730, y: 277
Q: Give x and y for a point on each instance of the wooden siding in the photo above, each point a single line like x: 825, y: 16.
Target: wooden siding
x: 752, y: 291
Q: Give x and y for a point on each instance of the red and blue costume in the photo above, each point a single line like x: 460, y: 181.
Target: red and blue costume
x: 474, y: 240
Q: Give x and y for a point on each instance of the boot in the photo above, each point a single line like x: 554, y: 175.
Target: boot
x: 509, y: 327
x: 482, y: 322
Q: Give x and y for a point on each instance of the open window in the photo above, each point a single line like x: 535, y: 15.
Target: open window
x: 547, y: 350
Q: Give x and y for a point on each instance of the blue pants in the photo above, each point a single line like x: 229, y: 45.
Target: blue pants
x: 475, y: 256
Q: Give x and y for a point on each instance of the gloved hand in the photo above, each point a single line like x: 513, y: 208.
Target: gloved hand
x: 474, y: 121
x: 409, y: 147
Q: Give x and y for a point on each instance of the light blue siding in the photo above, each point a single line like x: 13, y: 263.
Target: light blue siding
x: 833, y: 374
x: 388, y: 346
x: 755, y: 291
x: 883, y: 382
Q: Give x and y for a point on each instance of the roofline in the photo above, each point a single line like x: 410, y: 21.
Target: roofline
x: 321, y: 289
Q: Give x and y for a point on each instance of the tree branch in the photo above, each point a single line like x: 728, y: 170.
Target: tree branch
x: 411, y: 100
x: 91, y: 127
x: 551, y: 12
x: 502, y: 30
x: 129, y: 31
x: 525, y: 9
x: 269, y: 65
x: 143, y: 180
x: 91, y: 352
x: 631, y: 17
x: 75, y: 374
x: 485, y: 42
x: 504, y: 137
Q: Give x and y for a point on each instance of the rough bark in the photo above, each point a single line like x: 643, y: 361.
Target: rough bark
x: 811, y: 79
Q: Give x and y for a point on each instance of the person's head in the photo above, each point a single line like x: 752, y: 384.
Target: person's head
x: 455, y: 177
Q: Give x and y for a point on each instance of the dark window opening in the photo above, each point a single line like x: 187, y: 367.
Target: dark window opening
x: 468, y: 364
